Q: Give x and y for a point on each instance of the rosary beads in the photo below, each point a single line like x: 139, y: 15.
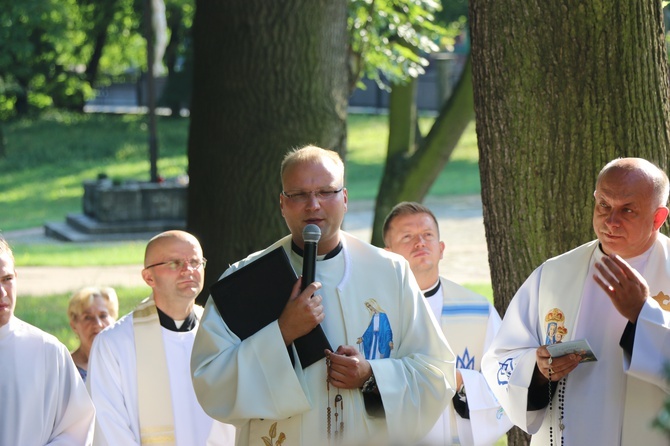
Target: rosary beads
x: 339, y: 410
x: 561, y: 400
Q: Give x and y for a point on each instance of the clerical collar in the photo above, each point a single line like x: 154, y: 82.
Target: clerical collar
x: 431, y: 291
x: 168, y: 323
x: 298, y: 250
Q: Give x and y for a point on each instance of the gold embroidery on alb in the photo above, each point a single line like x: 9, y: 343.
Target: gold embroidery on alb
x: 663, y: 300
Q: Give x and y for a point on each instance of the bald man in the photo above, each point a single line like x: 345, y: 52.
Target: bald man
x: 613, y: 292
x: 139, y: 376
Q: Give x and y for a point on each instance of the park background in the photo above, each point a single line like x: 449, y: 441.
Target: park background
x: 556, y: 89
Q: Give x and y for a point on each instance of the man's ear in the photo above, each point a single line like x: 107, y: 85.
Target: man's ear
x: 148, y: 277
x: 660, y: 216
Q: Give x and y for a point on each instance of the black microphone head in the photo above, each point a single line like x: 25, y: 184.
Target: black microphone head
x: 311, y: 233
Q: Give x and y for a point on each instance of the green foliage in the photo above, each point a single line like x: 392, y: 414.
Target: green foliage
x: 390, y: 38
x: 38, y: 41
x: 178, y: 55
x: 484, y: 289
x: 47, y: 46
x: 453, y: 11
x: 125, y: 48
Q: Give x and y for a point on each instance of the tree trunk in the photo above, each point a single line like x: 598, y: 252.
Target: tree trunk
x: 3, y: 143
x: 173, y: 94
x: 561, y: 88
x: 411, y: 169
x: 100, y: 15
x: 268, y: 77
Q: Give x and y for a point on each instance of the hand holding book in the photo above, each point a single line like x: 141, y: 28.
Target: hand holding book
x: 579, y: 347
x: 255, y: 295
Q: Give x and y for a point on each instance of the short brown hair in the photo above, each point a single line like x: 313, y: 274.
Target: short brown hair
x: 5, y: 248
x: 406, y: 208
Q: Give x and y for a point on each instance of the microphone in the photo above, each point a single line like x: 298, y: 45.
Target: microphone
x: 310, y: 236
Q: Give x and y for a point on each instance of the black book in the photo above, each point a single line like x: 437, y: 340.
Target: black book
x: 255, y: 295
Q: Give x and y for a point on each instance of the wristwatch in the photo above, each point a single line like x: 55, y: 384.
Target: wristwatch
x: 370, y: 385
x: 461, y: 393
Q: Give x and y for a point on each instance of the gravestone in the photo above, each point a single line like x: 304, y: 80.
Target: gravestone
x: 125, y: 211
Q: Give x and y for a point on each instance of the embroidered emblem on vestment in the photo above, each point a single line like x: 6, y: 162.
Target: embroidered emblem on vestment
x: 465, y: 361
x: 270, y: 441
x: 505, y: 371
x: 554, y: 328
x: 663, y: 300
x: 377, y: 341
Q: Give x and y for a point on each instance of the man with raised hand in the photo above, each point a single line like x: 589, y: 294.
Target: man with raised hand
x: 611, y: 292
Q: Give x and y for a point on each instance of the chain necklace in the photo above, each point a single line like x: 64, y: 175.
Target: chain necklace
x: 339, y: 410
x: 561, y: 400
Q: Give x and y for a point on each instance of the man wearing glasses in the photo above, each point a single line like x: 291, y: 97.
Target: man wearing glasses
x: 139, y: 377
x: 383, y: 383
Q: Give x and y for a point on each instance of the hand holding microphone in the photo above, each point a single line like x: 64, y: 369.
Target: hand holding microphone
x: 310, y: 236
x: 303, y: 313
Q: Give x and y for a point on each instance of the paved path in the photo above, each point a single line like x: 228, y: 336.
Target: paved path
x: 461, y: 228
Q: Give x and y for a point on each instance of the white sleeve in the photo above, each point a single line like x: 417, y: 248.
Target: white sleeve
x: 74, y: 410
x: 423, y: 361
x: 116, y: 419
x: 651, y: 349
x: 222, y: 434
x: 509, y: 363
x: 224, y: 367
x: 488, y: 422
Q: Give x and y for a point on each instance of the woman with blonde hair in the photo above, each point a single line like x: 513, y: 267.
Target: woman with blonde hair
x: 90, y: 310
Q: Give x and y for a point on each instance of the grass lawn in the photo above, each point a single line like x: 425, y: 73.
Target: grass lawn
x: 79, y: 254
x: 48, y: 159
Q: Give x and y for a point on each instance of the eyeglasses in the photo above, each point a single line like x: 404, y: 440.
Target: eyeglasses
x: 321, y: 195
x: 179, y: 264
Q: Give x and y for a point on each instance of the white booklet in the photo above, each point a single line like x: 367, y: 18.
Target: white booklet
x: 580, y: 347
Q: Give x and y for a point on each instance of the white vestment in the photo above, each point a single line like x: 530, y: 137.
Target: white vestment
x: 44, y: 400
x: 469, y: 323
x: 612, y: 401
x: 112, y: 383
x: 253, y: 384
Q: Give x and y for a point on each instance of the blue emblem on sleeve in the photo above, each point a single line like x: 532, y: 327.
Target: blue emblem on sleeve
x: 505, y: 371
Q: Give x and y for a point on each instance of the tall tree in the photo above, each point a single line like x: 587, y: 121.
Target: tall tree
x: 37, y: 45
x: 268, y: 76
x: 413, y: 161
x: 96, y: 18
x: 391, y: 39
x: 178, y: 57
x: 560, y: 89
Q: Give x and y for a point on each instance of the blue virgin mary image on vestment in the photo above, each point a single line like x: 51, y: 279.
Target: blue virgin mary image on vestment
x: 377, y: 341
